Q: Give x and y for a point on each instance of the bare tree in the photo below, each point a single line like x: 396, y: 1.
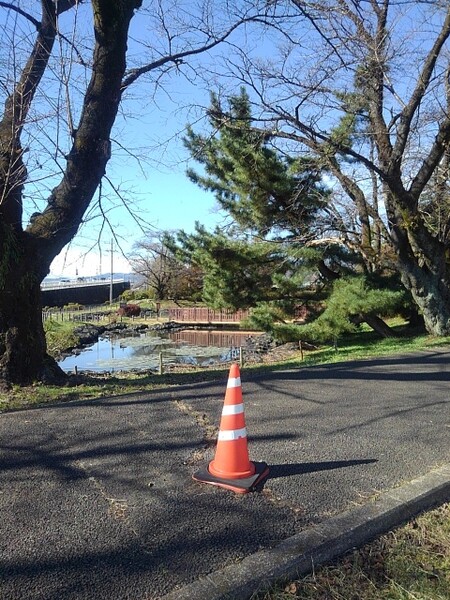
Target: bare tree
x: 163, y: 273
x: 365, y: 87
x: 66, y: 71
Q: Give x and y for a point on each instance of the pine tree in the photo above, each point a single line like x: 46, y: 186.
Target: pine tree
x: 274, y: 257
x: 264, y: 191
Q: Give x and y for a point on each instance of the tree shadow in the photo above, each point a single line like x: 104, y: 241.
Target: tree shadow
x: 391, y: 368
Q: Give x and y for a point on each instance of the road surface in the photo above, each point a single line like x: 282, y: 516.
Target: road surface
x: 97, y: 499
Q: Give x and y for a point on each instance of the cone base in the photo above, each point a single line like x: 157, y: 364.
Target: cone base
x: 240, y: 486
x: 249, y: 472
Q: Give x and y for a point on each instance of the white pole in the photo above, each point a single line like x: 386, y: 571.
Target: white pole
x: 112, y: 275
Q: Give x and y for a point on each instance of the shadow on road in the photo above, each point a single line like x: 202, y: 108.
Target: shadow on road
x: 288, y: 470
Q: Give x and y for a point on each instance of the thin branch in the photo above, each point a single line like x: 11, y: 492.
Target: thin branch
x: 141, y: 223
x: 177, y: 58
x: 430, y: 163
x: 23, y: 13
x: 417, y: 96
x: 307, y: 15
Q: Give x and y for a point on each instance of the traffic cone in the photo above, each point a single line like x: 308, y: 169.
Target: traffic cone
x: 231, y: 467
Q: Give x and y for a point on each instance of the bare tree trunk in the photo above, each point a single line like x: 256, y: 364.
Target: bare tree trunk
x: 23, y: 354
x: 423, y: 265
x: 430, y: 290
x: 379, y: 326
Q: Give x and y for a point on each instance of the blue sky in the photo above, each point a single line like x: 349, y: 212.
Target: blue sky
x: 156, y: 181
x: 148, y: 161
x: 151, y: 129
x: 168, y: 201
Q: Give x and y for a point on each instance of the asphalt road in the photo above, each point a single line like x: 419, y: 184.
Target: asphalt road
x: 97, y: 499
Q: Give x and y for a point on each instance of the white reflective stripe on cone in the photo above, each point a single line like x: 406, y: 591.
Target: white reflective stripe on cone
x: 234, y: 382
x: 232, y: 409
x: 232, y: 434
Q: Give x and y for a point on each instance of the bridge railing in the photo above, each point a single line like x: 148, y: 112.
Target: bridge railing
x: 206, y: 315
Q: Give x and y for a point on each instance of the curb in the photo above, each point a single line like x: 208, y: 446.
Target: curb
x: 299, y: 554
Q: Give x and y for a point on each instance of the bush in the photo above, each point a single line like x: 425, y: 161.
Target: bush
x: 73, y: 306
x: 128, y: 295
x: 129, y: 310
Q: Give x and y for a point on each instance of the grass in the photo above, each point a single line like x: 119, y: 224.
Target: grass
x: 90, y: 387
x: 410, y: 563
x: 366, y: 344
x: 59, y: 336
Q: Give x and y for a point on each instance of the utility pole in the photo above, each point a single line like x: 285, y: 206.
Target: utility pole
x: 112, y: 275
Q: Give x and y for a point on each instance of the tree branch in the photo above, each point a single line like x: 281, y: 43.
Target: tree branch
x: 17, y: 105
x: 21, y: 12
x: 177, y: 57
x: 417, y: 96
x: 430, y: 163
x: 90, y: 152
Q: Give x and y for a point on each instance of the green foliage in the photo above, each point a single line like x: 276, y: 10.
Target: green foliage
x: 264, y: 316
x: 261, y: 189
x: 351, y: 300
x: 128, y: 295
x: 355, y: 296
x: 274, y: 195
x: 354, y: 120
x: 236, y: 273
x: 282, y: 200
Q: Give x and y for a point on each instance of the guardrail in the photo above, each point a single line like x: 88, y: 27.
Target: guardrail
x: 69, y: 283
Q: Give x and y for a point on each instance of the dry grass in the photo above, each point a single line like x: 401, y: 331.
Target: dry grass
x: 410, y: 563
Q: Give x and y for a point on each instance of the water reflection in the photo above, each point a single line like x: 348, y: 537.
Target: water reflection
x: 142, y: 351
x: 219, y: 339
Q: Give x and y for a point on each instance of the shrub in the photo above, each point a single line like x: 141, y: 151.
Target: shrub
x: 129, y: 310
x: 73, y: 306
x: 134, y: 295
x: 127, y: 295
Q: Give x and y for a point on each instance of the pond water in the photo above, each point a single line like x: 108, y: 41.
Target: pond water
x: 141, y: 352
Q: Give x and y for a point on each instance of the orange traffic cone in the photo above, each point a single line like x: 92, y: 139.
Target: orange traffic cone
x: 231, y: 467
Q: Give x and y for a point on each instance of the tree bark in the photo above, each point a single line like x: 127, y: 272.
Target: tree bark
x: 430, y: 289
x: 424, y: 264
x: 379, y: 326
x: 23, y: 353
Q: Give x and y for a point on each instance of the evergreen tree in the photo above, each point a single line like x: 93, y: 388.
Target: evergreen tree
x: 278, y: 256
x: 264, y: 191
x: 236, y: 273
x: 352, y: 301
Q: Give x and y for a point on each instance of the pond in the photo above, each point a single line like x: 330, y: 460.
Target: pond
x: 142, y: 352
